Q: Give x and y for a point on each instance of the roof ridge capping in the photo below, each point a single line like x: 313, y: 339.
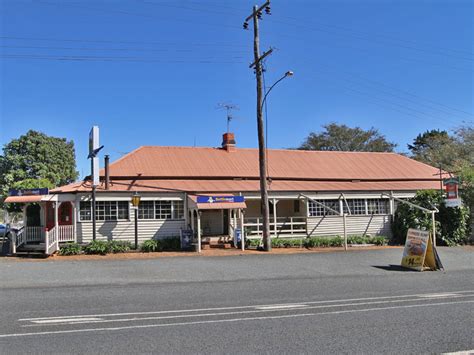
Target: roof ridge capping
x: 270, y: 149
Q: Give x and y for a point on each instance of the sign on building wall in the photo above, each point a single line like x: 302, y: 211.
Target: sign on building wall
x: 220, y: 199
x: 28, y: 192
x: 93, y: 146
x: 452, y: 192
x: 419, y: 253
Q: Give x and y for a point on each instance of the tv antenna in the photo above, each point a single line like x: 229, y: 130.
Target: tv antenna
x: 228, y: 107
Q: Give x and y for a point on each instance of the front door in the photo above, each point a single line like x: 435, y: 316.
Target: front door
x: 226, y: 222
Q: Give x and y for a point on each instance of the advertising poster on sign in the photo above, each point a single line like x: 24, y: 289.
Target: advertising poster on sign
x: 415, y: 249
x: 419, y: 253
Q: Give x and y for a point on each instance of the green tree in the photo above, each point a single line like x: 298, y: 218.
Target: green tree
x: 452, y: 227
x: 37, y: 160
x: 337, y: 137
x: 436, y: 148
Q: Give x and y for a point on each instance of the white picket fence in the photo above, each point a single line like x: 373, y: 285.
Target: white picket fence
x: 51, y: 241
x: 66, y: 234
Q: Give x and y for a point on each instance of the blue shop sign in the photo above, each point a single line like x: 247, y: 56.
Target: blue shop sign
x: 29, y: 192
x: 220, y: 199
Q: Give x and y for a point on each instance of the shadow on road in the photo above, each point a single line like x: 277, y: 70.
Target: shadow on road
x: 393, y: 268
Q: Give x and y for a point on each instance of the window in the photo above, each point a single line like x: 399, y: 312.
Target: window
x: 105, y: 210
x: 315, y: 209
x: 146, y: 210
x: 163, y: 209
x: 178, y: 209
x: 377, y: 206
x: 296, y: 206
x: 122, y: 209
x: 356, y: 206
x: 85, y: 213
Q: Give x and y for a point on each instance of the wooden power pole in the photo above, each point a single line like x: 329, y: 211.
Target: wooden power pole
x: 262, y: 154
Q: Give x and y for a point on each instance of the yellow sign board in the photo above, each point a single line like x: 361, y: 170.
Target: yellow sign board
x: 419, y: 253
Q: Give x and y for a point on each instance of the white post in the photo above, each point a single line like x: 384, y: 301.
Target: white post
x: 242, y: 231
x: 275, y: 225
x: 433, y: 221
x: 199, y: 231
x: 74, y: 219
x: 56, y: 224
x: 185, y: 211
x: 345, y: 231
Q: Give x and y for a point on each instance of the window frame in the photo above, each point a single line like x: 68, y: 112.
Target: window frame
x: 117, y: 209
x: 315, y: 210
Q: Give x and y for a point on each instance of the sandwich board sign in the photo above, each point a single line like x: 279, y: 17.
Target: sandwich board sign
x: 420, y: 253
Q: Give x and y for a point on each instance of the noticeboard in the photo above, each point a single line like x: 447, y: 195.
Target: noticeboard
x: 186, y: 238
x: 419, y: 253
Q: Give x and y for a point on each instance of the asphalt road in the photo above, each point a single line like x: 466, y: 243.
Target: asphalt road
x: 352, y: 302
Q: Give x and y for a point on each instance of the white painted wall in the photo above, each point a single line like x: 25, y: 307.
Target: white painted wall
x: 356, y: 225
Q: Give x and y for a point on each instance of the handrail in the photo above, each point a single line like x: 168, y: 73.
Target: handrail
x: 51, y: 241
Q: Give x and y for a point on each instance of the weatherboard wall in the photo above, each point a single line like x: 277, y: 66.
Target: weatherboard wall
x: 125, y: 230
x: 356, y: 225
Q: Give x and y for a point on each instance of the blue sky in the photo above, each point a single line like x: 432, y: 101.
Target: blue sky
x: 153, y: 72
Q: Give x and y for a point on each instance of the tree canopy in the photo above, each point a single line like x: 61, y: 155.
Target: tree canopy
x: 337, y: 137
x: 37, y: 160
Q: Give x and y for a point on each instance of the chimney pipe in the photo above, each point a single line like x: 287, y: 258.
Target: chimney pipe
x: 228, y: 142
x: 107, y: 176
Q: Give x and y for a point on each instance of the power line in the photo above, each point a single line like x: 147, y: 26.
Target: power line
x: 369, y: 39
x: 119, y: 42
x: 380, y: 84
x: 121, y: 12
x: 435, y: 49
x: 390, y: 37
x: 116, y: 59
x: 116, y: 49
x: 383, y: 103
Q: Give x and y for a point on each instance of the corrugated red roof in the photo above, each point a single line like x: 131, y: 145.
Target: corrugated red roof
x: 23, y: 199
x: 200, y: 170
x: 232, y: 186
x: 187, y: 162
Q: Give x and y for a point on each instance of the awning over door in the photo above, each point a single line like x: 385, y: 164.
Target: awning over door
x: 24, y: 199
x: 221, y: 202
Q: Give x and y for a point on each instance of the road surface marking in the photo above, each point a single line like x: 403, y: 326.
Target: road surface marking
x: 282, y: 307
x: 438, y: 295
x: 195, y: 315
x: 224, y: 320
x: 66, y: 320
x: 230, y: 308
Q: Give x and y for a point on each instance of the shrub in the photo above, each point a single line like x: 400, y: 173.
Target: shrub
x: 172, y: 243
x: 151, y: 245
x: 117, y: 246
x: 378, y: 240
x: 336, y: 242
x: 252, y: 242
x: 97, y: 247
x: 70, y: 249
x: 452, y: 224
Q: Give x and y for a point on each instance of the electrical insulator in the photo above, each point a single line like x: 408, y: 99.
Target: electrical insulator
x: 268, y: 10
x: 259, y: 15
x: 246, y: 26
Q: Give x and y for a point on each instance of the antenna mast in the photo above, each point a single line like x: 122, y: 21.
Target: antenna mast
x: 228, y: 107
